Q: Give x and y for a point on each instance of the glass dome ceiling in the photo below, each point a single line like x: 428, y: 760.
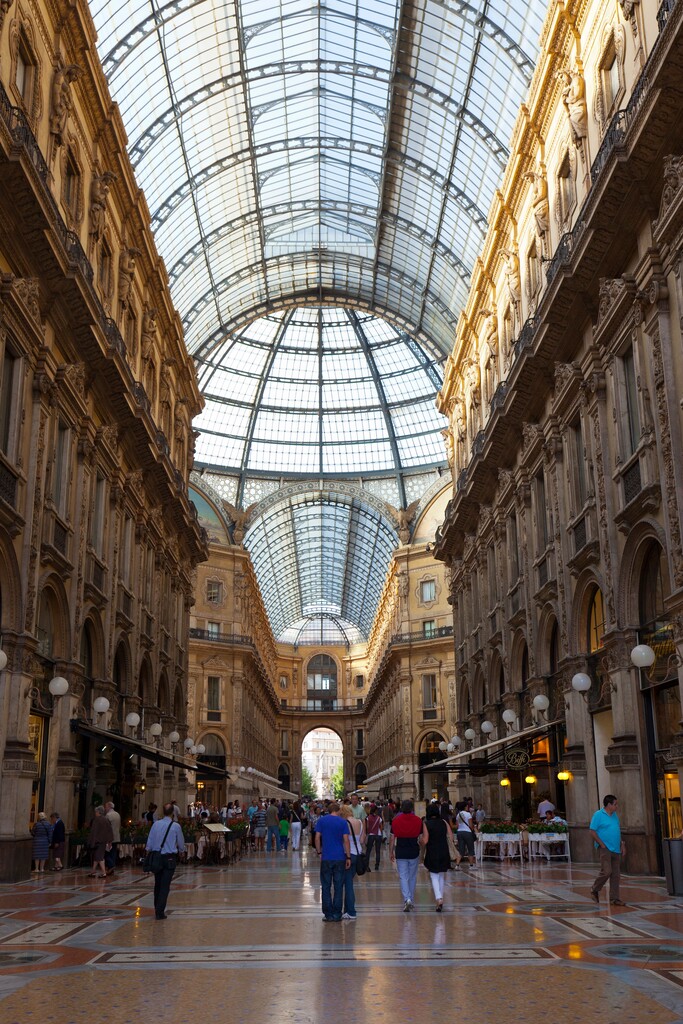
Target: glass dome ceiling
x: 347, y: 149
x: 320, y: 391
x: 321, y: 559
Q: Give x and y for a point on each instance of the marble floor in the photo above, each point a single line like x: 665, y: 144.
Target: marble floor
x: 246, y: 943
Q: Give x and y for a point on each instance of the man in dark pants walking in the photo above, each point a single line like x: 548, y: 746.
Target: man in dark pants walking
x: 165, y: 835
x: 332, y: 844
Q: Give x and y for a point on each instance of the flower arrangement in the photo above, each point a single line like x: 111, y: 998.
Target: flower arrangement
x: 238, y: 826
x: 493, y: 827
x: 135, y: 833
x: 544, y: 828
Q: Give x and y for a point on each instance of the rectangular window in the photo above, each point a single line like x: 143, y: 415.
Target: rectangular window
x: 429, y: 695
x: 126, y: 550
x: 25, y: 72
x: 71, y: 184
x: 428, y: 591
x: 567, y: 188
x: 493, y: 576
x: 213, y: 629
x: 105, y: 269
x: 542, y: 513
x: 429, y: 628
x: 97, y: 525
x: 610, y: 80
x: 213, y: 698
x: 360, y: 682
x: 214, y: 592
x: 284, y: 741
x: 579, y: 459
x: 61, y: 470
x: 360, y: 741
x: 513, y: 541
x: 533, y: 274
x: 632, y: 411
x: 7, y: 406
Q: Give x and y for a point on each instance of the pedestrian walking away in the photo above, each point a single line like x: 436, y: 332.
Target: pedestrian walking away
x: 404, y: 850
x: 435, y: 832
x: 373, y: 830
x: 166, y: 836
x: 332, y: 845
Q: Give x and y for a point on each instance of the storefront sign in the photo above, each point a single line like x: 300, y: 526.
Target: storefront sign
x: 517, y: 759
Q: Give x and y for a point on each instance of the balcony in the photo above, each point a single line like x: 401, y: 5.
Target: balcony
x: 420, y: 635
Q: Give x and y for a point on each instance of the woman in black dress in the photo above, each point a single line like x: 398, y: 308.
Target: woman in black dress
x: 437, y: 857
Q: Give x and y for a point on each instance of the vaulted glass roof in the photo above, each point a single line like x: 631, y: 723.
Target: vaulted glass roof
x: 320, y: 391
x: 324, y: 556
x: 318, y: 151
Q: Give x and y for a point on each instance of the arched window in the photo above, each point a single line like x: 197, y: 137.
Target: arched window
x: 524, y: 675
x: 596, y: 621
x: 322, y: 683
x: 361, y: 774
x: 651, y: 589
x: 283, y: 776
x: 554, y: 649
x: 214, y: 745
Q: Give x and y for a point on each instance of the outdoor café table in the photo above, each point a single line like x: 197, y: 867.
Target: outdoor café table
x: 549, y: 845
x: 509, y: 844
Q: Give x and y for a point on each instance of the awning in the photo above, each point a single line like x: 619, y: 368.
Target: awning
x: 510, y: 740
x: 260, y: 785
x: 149, y: 753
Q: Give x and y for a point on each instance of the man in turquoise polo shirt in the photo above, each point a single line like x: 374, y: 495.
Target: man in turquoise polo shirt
x: 606, y: 832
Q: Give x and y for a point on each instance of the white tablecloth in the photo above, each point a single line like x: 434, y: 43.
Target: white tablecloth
x: 507, y: 845
x: 549, y: 845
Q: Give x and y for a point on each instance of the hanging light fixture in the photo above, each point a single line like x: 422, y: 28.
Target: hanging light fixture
x: 563, y: 776
x: 531, y: 779
x: 505, y: 782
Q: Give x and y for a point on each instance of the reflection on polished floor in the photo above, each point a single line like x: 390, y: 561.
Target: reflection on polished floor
x: 523, y: 944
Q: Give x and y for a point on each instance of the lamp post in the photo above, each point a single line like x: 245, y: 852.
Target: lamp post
x: 132, y: 721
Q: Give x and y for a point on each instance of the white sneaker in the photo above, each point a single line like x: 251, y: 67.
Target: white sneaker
x: 407, y: 906
x: 348, y: 917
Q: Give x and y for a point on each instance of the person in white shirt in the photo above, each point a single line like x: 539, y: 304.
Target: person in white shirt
x: 545, y: 805
x: 465, y: 833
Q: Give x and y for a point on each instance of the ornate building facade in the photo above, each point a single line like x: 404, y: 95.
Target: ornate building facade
x: 98, y: 539
x: 563, y: 536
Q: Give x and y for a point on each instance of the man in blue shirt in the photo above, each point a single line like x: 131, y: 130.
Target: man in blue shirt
x: 332, y: 843
x: 165, y: 835
x: 606, y: 832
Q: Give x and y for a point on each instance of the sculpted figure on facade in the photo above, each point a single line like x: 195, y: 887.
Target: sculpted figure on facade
x: 459, y: 419
x: 540, y: 203
x: 450, y: 446
x: 4, y: 8
x: 404, y: 517
x: 149, y: 333
x: 126, y: 274
x: 473, y: 381
x: 61, y: 103
x: 99, y: 194
x: 513, y: 282
x: 491, y: 331
x: 673, y: 182
x: 574, y: 99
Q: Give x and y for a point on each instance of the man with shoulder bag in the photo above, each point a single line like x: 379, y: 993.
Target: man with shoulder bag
x: 164, y: 842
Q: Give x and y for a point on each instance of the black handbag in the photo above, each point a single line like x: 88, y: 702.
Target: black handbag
x: 155, y: 861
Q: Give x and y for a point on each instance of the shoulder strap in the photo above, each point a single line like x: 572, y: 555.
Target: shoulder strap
x: 166, y: 835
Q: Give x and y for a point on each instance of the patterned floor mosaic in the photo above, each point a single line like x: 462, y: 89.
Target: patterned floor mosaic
x: 70, y: 944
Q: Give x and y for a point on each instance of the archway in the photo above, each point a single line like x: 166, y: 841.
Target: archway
x: 322, y: 763
x: 432, y: 783
x: 211, y: 791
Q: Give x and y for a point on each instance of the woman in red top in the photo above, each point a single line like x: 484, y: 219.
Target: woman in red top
x: 404, y: 850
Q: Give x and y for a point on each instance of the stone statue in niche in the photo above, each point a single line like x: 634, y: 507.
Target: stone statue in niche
x: 513, y: 281
x: 99, y: 194
x: 60, y: 106
x: 540, y: 204
x: 126, y: 274
x: 574, y: 99
x: 459, y: 420
x: 473, y: 381
x: 449, y: 441
x: 149, y: 333
x: 490, y: 331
